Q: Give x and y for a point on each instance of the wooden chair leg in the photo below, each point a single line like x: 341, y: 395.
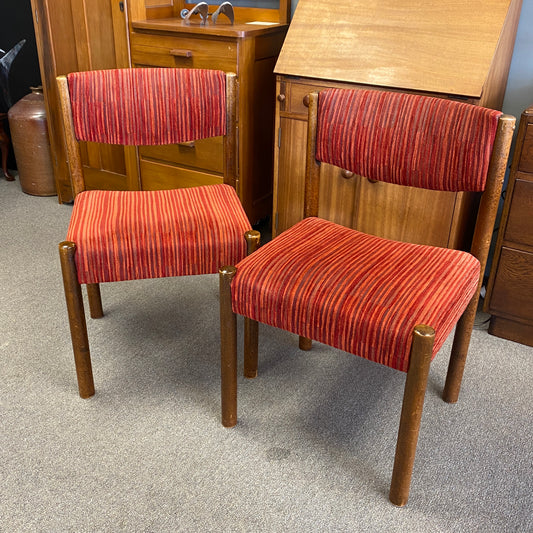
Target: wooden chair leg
x: 4, y: 148
x: 251, y: 347
x: 76, y: 315
x: 461, y: 341
x: 251, y: 327
x: 228, y: 349
x: 304, y: 343
x: 95, y: 300
x: 413, y: 403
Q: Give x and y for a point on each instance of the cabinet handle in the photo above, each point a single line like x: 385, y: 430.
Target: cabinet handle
x: 178, y: 52
x: 187, y: 144
x: 281, y: 98
x: 347, y: 174
x: 306, y: 100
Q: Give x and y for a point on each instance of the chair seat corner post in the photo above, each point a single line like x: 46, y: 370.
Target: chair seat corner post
x: 411, y: 415
x: 76, y: 315
x: 228, y: 349
x: 251, y: 327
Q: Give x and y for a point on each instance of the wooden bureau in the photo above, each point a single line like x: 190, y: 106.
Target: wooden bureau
x: 249, y: 50
x: 444, y: 49
x: 509, y: 297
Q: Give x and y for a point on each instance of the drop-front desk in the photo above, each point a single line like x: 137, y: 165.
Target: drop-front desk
x: 459, y: 50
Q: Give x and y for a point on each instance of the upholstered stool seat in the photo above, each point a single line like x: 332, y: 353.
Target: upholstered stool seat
x: 125, y: 235
x: 354, y: 291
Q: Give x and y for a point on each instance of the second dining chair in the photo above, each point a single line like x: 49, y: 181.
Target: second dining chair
x: 393, y: 303
x: 127, y: 235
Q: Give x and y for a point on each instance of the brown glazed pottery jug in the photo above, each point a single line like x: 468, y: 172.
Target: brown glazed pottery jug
x: 31, y: 144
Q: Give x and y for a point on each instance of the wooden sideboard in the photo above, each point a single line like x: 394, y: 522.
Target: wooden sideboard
x: 509, y: 297
x: 113, y: 34
x: 444, y: 49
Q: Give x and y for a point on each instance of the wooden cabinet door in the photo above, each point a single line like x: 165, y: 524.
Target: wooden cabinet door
x: 78, y: 35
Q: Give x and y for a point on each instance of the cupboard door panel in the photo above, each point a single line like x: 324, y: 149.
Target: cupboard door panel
x: 396, y: 212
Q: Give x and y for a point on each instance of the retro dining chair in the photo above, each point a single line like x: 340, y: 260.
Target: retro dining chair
x: 390, y: 302
x: 126, y: 235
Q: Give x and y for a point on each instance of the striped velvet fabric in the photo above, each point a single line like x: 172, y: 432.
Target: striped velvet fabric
x: 406, y: 139
x: 125, y: 235
x: 359, y: 293
x: 122, y: 106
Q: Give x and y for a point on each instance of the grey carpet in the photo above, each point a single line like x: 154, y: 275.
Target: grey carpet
x: 312, y: 451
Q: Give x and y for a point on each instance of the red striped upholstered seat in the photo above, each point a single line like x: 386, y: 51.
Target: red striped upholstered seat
x: 353, y: 291
x: 393, y: 303
x: 125, y: 235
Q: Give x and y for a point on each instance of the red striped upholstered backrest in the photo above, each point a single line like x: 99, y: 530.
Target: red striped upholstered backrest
x: 406, y: 139
x: 147, y: 106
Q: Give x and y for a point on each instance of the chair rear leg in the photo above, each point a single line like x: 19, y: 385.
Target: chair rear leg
x: 304, y: 343
x: 461, y: 341
x: 413, y: 403
x: 228, y: 349
x: 76, y: 315
x: 95, y: 300
x: 251, y: 327
x: 251, y: 347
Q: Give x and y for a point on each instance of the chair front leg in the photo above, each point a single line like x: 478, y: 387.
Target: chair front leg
x: 76, y: 315
x: 461, y: 341
x: 413, y: 403
x: 228, y: 349
x: 95, y: 300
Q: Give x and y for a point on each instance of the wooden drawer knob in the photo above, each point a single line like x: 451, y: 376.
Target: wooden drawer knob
x: 347, y: 174
x: 187, y: 144
x: 306, y: 100
x: 178, y: 52
x: 281, y: 98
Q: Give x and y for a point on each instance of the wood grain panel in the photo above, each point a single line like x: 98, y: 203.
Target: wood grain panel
x: 423, y: 46
x: 519, y: 228
x: 512, y: 293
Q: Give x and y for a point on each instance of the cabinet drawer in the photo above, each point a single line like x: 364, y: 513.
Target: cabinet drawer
x: 519, y: 227
x: 183, y: 52
x: 526, y: 157
x: 205, y: 154
x: 156, y: 176
x: 295, y: 97
x: 512, y: 293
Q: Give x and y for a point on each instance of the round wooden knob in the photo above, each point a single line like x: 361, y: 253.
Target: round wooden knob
x: 281, y: 98
x: 306, y: 100
x: 347, y: 174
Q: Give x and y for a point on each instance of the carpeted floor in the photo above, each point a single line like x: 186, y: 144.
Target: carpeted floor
x: 312, y: 451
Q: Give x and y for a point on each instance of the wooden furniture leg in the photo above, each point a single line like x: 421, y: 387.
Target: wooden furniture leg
x: 461, y: 341
x: 4, y: 147
x: 413, y: 403
x: 95, y: 300
x: 76, y: 316
x: 304, y: 343
x: 251, y: 327
x: 228, y: 351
